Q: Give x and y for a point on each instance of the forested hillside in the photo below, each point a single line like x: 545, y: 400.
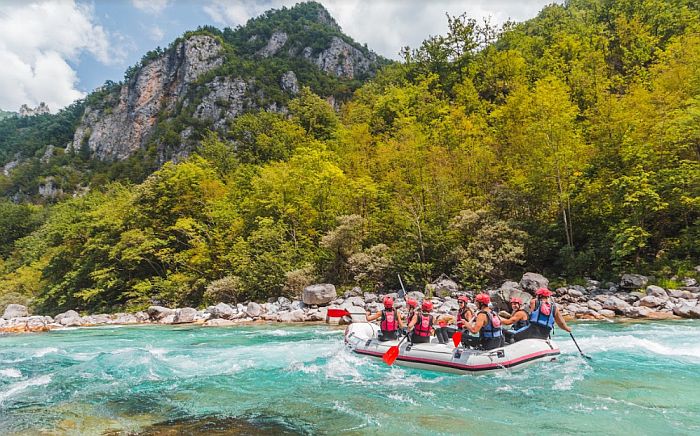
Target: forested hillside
x: 568, y: 144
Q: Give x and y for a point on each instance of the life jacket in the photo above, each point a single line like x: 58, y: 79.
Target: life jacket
x: 492, y: 328
x: 461, y: 320
x: 522, y: 323
x: 543, y: 314
x: 389, y: 323
x: 422, y: 327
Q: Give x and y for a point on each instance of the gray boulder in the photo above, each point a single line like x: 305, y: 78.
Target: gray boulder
x: 594, y: 305
x: 185, y: 315
x: 616, y: 304
x: 576, y: 293
x: 293, y: 316
x: 606, y: 313
x: 168, y: 319
x: 633, y: 281
x: 443, y: 287
x: 689, y: 282
x: 354, y: 301
x: 656, y: 291
x: 370, y: 297
x: 501, y: 298
x: 15, y: 311
x: 637, y: 312
x: 531, y: 282
x: 686, y: 311
x: 222, y: 311
x: 157, y: 313
x: 652, y: 301
x: 319, y: 294
x: 68, y: 319
x: 253, y: 310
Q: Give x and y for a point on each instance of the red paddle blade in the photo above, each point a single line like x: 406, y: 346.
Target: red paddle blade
x: 390, y: 356
x: 457, y: 338
x: 337, y: 313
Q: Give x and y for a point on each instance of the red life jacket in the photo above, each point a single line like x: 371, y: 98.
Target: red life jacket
x: 461, y: 321
x: 422, y: 327
x: 389, y: 323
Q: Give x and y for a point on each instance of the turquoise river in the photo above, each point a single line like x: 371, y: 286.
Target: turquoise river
x: 644, y: 378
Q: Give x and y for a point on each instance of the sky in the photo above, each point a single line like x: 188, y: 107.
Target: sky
x: 57, y: 51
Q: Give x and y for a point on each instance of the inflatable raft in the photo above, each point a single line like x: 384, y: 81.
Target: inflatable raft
x: 361, y: 338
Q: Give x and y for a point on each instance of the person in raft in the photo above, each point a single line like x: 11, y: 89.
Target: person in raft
x: 519, y: 320
x: 390, y: 322
x: 543, y: 314
x: 464, y: 315
x: 487, y: 324
x: 422, y: 324
x: 412, y: 305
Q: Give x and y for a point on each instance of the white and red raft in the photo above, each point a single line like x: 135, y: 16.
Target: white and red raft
x: 361, y: 338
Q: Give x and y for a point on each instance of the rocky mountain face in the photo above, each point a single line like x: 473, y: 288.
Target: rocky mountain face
x: 172, y: 83
x: 116, y: 132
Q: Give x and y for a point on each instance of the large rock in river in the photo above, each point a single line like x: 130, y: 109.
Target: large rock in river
x: 15, y: 311
x: 531, y: 282
x: 319, y: 294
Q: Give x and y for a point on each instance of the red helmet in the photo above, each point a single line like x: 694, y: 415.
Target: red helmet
x: 516, y: 300
x: 388, y: 302
x: 427, y: 305
x: 412, y: 302
x: 463, y: 298
x: 483, y: 298
x: 544, y: 292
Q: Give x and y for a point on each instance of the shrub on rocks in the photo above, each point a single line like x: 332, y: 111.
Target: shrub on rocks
x: 225, y: 290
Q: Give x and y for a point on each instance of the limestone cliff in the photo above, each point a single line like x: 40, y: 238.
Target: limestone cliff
x: 116, y: 132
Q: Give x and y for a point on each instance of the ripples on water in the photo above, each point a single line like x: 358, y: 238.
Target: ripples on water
x: 156, y: 380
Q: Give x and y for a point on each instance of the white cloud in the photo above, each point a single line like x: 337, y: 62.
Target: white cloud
x: 387, y: 25
x: 150, y: 6
x: 156, y: 33
x: 37, y: 41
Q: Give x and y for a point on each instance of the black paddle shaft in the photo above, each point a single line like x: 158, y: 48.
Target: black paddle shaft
x: 579, y: 348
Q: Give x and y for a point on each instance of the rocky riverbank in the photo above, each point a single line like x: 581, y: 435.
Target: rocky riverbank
x: 632, y: 297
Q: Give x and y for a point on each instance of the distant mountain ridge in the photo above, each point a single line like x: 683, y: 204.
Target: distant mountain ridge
x: 208, y: 77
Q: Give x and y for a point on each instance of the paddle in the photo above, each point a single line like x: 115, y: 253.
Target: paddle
x: 337, y: 313
x: 579, y: 348
x: 457, y: 338
x: 402, y: 288
x: 393, y: 352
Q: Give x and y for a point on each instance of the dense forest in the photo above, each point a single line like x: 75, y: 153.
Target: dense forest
x: 568, y: 144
